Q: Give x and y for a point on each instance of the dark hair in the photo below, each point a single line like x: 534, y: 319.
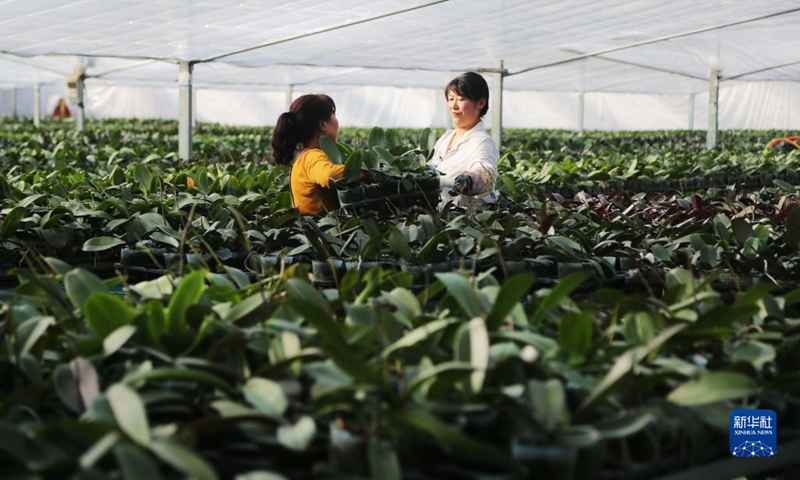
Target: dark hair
x: 299, y: 124
x: 472, y: 86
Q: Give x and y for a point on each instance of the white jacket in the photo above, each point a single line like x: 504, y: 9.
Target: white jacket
x: 476, y: 154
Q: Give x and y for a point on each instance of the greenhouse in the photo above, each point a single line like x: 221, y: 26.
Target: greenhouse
x: 606, y: 287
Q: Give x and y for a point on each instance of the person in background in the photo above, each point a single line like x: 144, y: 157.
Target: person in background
x: 466, y: 156
x: 295, y: 142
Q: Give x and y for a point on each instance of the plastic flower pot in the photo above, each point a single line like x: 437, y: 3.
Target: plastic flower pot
x: 554, y: 462
x: 272, y: 263
x: 327, y: 271
x: 150, y: 258
x: 348, y: 452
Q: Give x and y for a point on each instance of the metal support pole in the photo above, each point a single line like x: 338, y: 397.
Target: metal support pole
x: 13, y: 103
x: 289, y: 95
x: 37, y: 105
x: 194, y: 107
x: 580, y: 111
x: 79, y: 117
x: 691, y: 111
x: 497, y: 104
x: 185, y: 106
x: 713, y: 109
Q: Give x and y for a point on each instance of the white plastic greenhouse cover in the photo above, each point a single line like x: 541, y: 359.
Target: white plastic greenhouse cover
x: 637, y: 64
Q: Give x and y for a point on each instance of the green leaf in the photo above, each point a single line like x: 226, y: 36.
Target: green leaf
x: 259, y: 475
x: 383, y: 462
x: 156, y: 319
x: 188, y: 293
x: 183, y: 459
x: 98, y: 244
x: 80, y: 284
x: 575, y: 331
x: 562, y: 290
x: 164, y: 238
x: 660, y: 252
x: 627, y: 360
x: 178, y: 374
x: 793, y: 229
x: 548, y: 403
x: 31, y: 331
x: 427, y: 139
x: 60, y: 267
x: 399, y: 244
x: 129, y: 412
x: 511, y: 293
x: 304, y: 299
x: 462, y: 291
x: 423, y: 423
x: 741, y: 230
x: 385, y: 155
x: 88, y: 383
x: 134, y: 462
x: 540, y: 342
x: 624, y: 425
x: 639, y: 327
x: 722, y: 227
x: 12, y: 222
x: 331, y: 150
x: 428, y: 373
x: 472, y: 346
x: 105, y: 313
x: 714, y: 387
x: 407, y: 304
x: 352, y: 167
x: 116, y: 339
x: 143, y: 177
x: 788, y: 187
x: 417, y: 335
x: 67, y: 388
x: 755, y: 353
x: 238, y: 276
x: 266, y: 396
x: 98, y: 450
x: 297, y: 437
x: 313, y: 303
x: 377, y: 137
x: 568, y: 246
x: 246, y: 307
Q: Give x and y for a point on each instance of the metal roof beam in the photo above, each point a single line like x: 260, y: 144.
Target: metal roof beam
x: 760, y: 70
x: 321, y: 30
x: 656, y: 40
x: 639, y: 65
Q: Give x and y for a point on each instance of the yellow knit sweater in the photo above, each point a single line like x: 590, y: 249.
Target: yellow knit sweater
x: 312, y: 188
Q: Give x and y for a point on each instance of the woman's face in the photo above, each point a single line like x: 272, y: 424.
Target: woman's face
x: 465, y: 112
x: 330, y: 128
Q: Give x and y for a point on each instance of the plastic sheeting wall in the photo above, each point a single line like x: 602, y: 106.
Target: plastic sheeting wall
x: 50, y: 97
x: 762, y: 105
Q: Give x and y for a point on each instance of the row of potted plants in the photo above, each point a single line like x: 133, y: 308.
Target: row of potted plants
x: 213, y: 376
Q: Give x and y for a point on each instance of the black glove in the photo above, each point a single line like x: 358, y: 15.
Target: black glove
x: 462, y: 185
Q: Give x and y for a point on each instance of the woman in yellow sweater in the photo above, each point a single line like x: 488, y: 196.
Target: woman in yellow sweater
x: 295, y: 141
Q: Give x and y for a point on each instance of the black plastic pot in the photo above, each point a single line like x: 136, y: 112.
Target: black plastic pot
x: 348, y: 452
x: 272, y: 263
x: 391, y: 194
x: 148, y: 258
x: 548, y: 461
x: 327, y: 271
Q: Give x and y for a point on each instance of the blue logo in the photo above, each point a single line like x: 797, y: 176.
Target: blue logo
x: 753, y: 433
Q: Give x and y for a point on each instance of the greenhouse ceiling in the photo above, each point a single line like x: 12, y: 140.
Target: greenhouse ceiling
x: 648, y: 46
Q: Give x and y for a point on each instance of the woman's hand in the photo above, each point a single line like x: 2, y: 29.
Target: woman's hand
x: 462, y: 185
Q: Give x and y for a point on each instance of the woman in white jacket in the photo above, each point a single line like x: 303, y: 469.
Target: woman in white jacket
x: 466, y: 156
